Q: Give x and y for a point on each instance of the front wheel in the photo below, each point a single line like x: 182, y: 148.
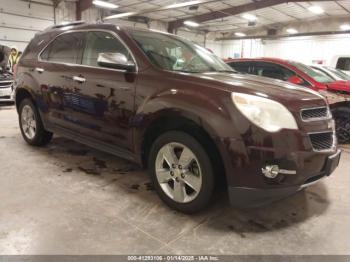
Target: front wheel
x: 181, y: 172
x: 32, y: 128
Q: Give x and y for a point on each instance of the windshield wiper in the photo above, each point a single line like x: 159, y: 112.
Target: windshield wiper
x: 227, y: 71
x: 186, y: 71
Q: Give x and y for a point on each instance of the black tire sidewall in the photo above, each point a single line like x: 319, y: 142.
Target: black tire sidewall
x: 205, y: 195
x: 39, y: 127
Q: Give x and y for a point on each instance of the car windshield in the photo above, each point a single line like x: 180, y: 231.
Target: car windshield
x: 316, y: 75
x: 175, y: 54
x: 339, y: 73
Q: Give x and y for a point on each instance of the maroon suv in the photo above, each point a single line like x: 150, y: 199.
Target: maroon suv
x: 171, y: 105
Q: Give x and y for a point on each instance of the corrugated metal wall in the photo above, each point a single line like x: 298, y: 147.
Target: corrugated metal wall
x: 20, y: 21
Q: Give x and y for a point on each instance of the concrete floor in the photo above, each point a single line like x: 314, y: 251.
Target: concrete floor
x: 69, y: 199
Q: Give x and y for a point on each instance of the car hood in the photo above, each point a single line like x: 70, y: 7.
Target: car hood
x: 278, y: 90
x: 343, y: 86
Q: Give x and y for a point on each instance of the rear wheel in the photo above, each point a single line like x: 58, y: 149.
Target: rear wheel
x: 342, y: 124
x: 181, y: 172
x: 32, y: 128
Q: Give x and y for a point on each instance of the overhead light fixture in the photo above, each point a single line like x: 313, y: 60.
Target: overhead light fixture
x: 104, y: 4
x: 120, y: 15
x: 240, y: 34
x: 191, y: 23
x: 292, y: 31
x: 179, y: 5
x: 345, y: 27
x: 250, y: 17
x: 316, y: 9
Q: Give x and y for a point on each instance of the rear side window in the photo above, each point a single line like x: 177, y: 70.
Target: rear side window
x: 343, y: 63
x: 101, y: 42
x: 242, y: 67
x: 66, y: 48
x: 272, y: 71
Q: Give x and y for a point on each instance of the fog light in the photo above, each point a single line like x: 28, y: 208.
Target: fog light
x: 272, y: 171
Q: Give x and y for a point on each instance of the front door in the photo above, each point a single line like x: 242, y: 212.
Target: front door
x: 105, y: 95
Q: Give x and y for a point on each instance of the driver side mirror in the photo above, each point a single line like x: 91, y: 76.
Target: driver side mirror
x: 295, y: 80
x: 116, y: 61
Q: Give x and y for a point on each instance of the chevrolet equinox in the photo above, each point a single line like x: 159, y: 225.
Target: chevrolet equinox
x: 172, y: 106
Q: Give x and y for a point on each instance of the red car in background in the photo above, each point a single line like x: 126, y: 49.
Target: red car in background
x: 336, y: 92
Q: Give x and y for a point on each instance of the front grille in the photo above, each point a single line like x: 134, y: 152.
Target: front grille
x: 5, y: 84
x: 311, y: 114
x: 322, y: 141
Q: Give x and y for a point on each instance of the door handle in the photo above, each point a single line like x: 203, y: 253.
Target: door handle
x: 79, y: 79
x: 39, y: 70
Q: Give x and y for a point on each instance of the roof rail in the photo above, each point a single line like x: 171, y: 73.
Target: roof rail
x: 67, y: 24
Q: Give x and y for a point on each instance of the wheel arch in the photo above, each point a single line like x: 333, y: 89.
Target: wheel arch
x: 22, y: 93
x: 170, y: 120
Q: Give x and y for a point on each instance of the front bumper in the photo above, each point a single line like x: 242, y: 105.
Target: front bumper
x: 245, y: 197
x: 6, y: 94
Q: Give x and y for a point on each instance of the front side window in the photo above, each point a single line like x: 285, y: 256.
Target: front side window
x: 175, y: 54
x: 65, y: 48
x: 323, y: 72
x: 316, y: 75
x: 101, y: 42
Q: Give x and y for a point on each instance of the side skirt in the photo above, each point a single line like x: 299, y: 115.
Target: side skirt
x: 94, y: 143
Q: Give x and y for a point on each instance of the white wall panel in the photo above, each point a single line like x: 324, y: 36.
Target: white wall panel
x: 308, y: 49
x: 303, y: 49
x: 241, y: 48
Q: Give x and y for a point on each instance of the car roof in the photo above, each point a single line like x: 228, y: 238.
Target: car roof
x: 81, y: 25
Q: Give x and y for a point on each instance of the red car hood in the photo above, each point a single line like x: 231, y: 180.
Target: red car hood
x: 340, y: 86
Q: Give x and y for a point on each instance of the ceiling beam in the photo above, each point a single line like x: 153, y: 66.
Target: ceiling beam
x: 236, y: 10
x: 82, y: 5
x: 284, y: 36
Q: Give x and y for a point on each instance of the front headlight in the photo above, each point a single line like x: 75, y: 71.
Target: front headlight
x: 263, y: 112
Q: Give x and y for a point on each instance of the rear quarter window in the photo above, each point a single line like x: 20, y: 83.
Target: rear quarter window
x: 66, y: 48
x: 34, y: 47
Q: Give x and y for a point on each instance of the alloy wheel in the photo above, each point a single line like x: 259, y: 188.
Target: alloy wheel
x: 178, y: 172
x: 28, y: 122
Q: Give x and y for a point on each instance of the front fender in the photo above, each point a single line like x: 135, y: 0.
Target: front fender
x: 209, y: 113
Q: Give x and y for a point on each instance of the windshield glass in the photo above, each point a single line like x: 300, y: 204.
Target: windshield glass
x: 339, y: 73
x: 175, y: 54
x: 316, y: 75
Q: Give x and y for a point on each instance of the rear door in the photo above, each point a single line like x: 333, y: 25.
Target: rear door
x: 57, y: 65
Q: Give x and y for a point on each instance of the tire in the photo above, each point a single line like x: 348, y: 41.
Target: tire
x: 188, y: 188
x: 341, y: 116
x: 34, y: 134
